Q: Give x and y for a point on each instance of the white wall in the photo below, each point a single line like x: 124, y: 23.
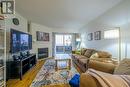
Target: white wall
x: 118, y: 16
x: 34, y: 27
x: 9, y: 25
x: 41, y: 44
x: 22, y: 23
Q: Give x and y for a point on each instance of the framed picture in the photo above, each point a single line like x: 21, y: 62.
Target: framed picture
x: 42, y: 36
x: 97, y: 35
x: 90, y: 36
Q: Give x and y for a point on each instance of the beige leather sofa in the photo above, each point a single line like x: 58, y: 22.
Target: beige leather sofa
x: 82, y: 59
x: 86, y: 80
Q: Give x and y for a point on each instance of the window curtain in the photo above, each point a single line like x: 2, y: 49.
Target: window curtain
x: 53, y: 44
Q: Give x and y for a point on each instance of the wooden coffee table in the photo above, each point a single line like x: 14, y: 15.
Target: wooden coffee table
x: 63, y: 58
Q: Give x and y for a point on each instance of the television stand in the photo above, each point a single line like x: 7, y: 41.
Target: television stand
x: 20, y: 67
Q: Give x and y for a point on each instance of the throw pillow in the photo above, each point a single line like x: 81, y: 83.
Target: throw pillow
x: 123, y: 68
x: 95, y: 55
x: 83, y: 50
x: 88, y: 53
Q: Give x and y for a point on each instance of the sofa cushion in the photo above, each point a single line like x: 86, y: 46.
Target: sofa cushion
x: 78, y: 56
x: 105, y: 60
x: 103, y: 54
x: 83, y: 50
x: 95, y: 55
x: 83, y: 62
x: 123, y: 68
x: 88, y: 53
x: 94, y: 51
x: 101, y: 66
x: 86, y: 80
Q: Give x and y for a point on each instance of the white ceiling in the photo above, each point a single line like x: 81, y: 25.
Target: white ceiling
x: 63, y: 13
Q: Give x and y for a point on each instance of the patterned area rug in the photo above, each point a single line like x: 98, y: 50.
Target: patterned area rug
x: 49, y: 76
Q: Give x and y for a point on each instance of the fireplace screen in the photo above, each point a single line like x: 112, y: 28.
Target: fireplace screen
x: 42, y: 53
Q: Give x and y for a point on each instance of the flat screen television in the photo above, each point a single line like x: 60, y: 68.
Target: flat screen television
x: 20, y: 41
x: 14, y: 41
x: 24, y: 41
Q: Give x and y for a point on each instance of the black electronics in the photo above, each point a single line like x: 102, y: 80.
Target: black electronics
x: 15, y: 57
x: 28, y: 53
x: 15, y: 42
x: 20, y: 41
x: 21, y: 54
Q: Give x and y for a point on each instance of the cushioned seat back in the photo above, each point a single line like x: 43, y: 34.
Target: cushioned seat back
x: 103, y: 54
x: 101, y: 66
x: 88, y: 53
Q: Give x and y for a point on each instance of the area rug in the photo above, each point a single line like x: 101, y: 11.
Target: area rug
x: 49, y: 76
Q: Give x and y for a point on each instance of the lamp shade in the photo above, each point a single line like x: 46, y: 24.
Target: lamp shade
x: 111, y: 34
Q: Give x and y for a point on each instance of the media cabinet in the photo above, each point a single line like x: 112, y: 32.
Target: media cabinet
x: 17, y: 68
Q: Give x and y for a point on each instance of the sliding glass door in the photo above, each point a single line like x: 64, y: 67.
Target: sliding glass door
x: 63, y: 43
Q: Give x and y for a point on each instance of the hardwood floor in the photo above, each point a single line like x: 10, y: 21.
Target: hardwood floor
x: 30, y: 75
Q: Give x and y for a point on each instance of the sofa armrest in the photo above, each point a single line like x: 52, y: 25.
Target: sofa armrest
x: 101, y: 66
x: 87, y: 80
x: 73, y: 51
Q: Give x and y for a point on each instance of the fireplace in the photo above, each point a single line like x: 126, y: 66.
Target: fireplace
x: 42, y: 53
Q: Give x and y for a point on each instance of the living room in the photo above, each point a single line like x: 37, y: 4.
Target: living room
x: 65, y: 43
